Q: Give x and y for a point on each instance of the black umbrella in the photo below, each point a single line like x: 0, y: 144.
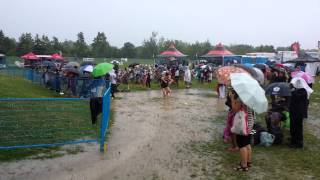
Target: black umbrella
x: 278, y: 89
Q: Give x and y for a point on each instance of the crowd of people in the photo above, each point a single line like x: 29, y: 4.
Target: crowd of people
x: 160, y: 74
x: 285, y: 111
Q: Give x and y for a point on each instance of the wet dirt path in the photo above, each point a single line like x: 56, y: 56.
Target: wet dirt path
x: 147, y: 141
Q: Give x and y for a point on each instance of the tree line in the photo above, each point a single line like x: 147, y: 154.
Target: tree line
x: 100, y: 47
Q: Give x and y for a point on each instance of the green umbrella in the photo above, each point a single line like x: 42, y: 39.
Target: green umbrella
x: 102, y: 69
x: 249, y: 91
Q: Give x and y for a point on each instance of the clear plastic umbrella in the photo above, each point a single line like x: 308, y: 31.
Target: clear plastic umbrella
x: 249, y: 91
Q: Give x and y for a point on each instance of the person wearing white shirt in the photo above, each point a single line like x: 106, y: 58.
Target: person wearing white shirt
x: 113, y: 77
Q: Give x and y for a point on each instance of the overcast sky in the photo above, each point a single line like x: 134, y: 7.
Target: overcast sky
x: 273, y: 22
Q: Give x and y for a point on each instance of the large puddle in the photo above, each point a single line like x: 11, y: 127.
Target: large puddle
x: 147, y: 141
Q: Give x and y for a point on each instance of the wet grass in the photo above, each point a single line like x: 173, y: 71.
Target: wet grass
x: 33, y: 122
x: 269, y: 162
x: 315, y: 96
x: 17, y: 87
x: 277, y: 161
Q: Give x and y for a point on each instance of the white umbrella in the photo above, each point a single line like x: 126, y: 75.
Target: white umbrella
x: 249, y: 91
x: 114, y: 62
x: 88, y: 68
x: 298, y: 83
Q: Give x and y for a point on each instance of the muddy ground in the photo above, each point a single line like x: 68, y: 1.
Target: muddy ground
x: 150, y: 139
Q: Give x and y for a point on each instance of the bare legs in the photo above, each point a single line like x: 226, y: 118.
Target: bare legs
x: 245, y: 156
x: 166, y: 92
x: 234, y: 146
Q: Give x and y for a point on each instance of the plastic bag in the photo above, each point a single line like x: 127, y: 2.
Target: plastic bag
x: 266, y: 139
x: 240, y: 123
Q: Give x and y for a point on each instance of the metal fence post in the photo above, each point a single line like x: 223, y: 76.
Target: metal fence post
x: 105, y: 118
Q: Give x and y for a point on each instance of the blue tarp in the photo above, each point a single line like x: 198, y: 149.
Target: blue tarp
x: 253, y: 60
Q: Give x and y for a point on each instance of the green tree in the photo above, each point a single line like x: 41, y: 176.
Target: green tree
x: 7, y: 45
x: 241, y: 49
x: 139, y: 51
x: 25, y: 44
x: 150, y: 47
x: 128, y: 50
x: 39, y: 47
x: 67, y: 48
x: 47, y: 44
x: 81, y: 49
x: 288, y: 48
x: 114, y: 52
x: 100, y: 45
x: 264, y: 48
x: 57, y: 46
x: 198, y: 49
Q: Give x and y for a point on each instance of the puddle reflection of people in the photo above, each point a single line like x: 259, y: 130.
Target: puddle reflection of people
x: 165, y: 82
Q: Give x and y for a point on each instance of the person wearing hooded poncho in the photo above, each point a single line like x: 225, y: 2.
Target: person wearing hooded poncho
x: 298, y: 110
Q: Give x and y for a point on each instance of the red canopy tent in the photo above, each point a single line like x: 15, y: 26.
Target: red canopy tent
x: 56, y: 56
x: 219, y: 50
x: 172, y: 52
x: 219, y: 55
x: 30, y: 56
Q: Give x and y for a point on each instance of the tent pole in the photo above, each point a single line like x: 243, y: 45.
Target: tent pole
x: 222, y: 60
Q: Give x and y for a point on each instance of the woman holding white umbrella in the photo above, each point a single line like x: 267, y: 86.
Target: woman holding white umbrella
x: 249, y: 97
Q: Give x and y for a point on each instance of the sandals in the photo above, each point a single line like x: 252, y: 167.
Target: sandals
x: 241, y: 168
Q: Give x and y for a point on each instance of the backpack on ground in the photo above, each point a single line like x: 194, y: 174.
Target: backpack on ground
x: 266, y: 139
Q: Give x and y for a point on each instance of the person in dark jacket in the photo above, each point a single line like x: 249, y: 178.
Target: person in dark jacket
x: 298, y: 110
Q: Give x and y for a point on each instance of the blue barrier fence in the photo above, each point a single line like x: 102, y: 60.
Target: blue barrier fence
x: 78, y: 86
x: 47, y: 122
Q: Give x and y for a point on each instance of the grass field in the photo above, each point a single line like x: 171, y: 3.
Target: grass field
x: 37, y: 122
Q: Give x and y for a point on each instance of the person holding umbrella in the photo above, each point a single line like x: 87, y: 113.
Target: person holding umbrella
x: 101, y: 70
x: 249, y: 98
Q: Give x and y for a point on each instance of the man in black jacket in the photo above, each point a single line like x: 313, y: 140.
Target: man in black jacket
x: 298, y: 110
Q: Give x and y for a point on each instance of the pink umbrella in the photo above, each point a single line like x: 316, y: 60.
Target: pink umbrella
x: 306, y: 76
